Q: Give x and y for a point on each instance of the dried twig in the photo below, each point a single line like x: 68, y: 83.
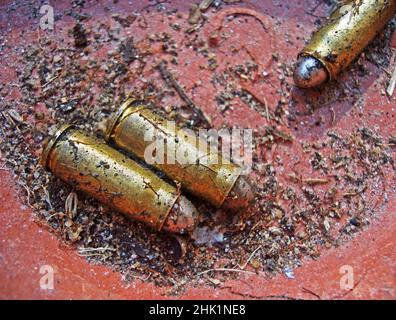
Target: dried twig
x: 71, y: 205
x: 141, y: 278
x: 314, y: 181
x: 88, y: 252
x: 170, y: 80
x: 392, y: 84
x: 27, y: 192
x: 352, y: 193
x: 50, y: 80
x: 309, y: 181
x: 267, y: 115
x: 224, y: 270
x: 250, y: 258
x: 54, y: 215
x: 96, y: 249
x: 47, y: 197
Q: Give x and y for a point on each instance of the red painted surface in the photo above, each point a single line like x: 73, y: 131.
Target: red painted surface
x: 25, y: 245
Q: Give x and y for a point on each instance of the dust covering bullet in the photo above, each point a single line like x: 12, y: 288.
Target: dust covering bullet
x: 334, y: 46
x: 219, y: 182
x: 114, y: 179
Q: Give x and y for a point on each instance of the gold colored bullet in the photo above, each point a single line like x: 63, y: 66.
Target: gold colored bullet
x: 217, y: 181
x: 334, y: 46
x: 92, y: 166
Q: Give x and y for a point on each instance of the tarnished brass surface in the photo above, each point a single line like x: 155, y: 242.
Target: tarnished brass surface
x: 92, y: 166
x: 211, y: 181
x: 349, y: 30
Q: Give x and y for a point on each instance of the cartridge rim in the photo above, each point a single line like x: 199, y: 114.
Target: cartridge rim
x: 51, y: 144
x: 114, y: 120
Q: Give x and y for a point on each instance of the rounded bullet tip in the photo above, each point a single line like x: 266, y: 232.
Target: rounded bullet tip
x: 183, y: 217
x: 309, y: 72
x: 240, y: 196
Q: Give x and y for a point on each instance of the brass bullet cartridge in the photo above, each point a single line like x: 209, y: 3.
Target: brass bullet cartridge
x: 334, y: 46
x: 207, y: 176
x: 94, y: 167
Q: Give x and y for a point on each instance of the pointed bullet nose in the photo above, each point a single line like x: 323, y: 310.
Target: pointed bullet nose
x: 309, y: 73
x: 183, y: 217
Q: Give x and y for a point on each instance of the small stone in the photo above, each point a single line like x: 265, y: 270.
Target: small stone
x: 255, y: 263
x: 39, y: 115
x: 301, y: 234
x: 68, y: 223
x: 326, y: 225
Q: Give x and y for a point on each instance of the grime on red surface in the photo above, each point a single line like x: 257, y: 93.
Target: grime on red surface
x: 323, y: 171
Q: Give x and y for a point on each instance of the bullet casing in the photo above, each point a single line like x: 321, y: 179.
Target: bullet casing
x: 349, y: 30
x: 212, y: 181
x: 92, y: 166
